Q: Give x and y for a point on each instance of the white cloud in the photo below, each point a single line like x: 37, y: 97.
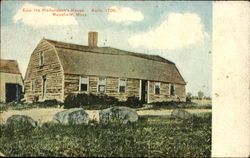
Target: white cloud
x: 177, y: 31
x: 40, y: 19
x: 124, y: 15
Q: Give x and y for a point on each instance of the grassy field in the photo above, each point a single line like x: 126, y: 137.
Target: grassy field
x: 202, y: 102
x: 158, y: 136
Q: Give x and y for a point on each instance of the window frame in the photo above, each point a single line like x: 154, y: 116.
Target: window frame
x: 119, y: 85
x: 41, y: 58
x: 80, y: 83
x: 157, y: 84
x: 105, y: 83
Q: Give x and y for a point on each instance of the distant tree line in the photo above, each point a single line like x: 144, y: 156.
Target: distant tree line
x: 200, y: 95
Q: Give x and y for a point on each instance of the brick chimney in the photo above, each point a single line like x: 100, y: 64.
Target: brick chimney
x: 93, y: 38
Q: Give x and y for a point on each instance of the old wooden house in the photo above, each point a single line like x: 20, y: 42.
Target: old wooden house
x: 57, y: 69
x: 11, y: 81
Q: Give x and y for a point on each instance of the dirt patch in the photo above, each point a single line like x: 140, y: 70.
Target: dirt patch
x: 40, y: 115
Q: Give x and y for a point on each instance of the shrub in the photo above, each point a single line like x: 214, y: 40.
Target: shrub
x: 132, y: 102
x: 188, y: 100
x: 71, y: 102
x: 79, y: 100
x: 168, y: 105
x: 49, y: 103
x: 45, y: 104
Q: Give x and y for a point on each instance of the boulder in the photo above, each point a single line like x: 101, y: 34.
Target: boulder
x: 181, y: 114
x: 72, y: 116
x: 21, y: 120
x: 120, y: 114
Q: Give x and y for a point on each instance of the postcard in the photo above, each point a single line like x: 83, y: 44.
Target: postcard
x: 123, y: 78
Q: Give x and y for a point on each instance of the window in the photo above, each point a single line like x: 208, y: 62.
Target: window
x: 122, y: 86
x: 41, y: 61
x: 84, y: 81
x: 172, y: 89
x: 157, y: 88
x: 32, y: 85
x: 102, y: 85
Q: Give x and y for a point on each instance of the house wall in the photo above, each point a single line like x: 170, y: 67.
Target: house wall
x: 71, y: 85
x: 8, y: 78
x: 181, y: 91
x: 51, y: 68
x: 180, y: 94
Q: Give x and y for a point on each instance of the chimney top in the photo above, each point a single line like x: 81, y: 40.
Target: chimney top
x: 92, y: 38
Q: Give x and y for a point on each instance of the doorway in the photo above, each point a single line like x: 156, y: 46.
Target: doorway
x: 44, y: 84
x: 13, y: 92
x: 144, y: 91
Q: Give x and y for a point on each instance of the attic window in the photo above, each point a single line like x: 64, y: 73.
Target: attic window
x: 41, y: 61
x: 157, y: 88
x: 172, y: 89
x: 122, y: 86
x: 102, y: 85
x: 84, y: 81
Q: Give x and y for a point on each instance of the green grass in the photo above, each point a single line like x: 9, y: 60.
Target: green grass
x: 177, y: 105
x: 149, y: 137
x: 24, y: 106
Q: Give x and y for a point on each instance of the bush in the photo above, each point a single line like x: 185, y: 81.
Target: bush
x: 72, y: 101
x: 168, y: 105
x: 188, y: 100
x: 78, y: 100
x: 85, y: 100
x: 45, y: 104
x: 131, y: 102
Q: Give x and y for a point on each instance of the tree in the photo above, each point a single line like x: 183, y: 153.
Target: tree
x: 188, y: 99
x: 200, y: 95
x: 189, y: 94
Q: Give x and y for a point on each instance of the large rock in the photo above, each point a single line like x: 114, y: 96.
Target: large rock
x: 181, y: 114
x: 72, y: 116
x: 21, y: 120
x: 120, y: 114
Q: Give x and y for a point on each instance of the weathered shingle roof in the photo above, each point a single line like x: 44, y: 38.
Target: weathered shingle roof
x: 107, y: 61
x: 9, y: 66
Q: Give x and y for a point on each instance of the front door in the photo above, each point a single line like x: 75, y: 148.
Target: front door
x: 144, y: 91
x: 13, y: 92
x: 44, y: 86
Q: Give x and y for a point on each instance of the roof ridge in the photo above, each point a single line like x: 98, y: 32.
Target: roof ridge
x: 95, y: 50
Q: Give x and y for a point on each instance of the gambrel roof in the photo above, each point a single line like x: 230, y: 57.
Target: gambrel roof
x: 9, y: 66
x: 107, y: 61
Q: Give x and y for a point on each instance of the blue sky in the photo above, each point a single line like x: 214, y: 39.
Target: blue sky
x: 178, y: 31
